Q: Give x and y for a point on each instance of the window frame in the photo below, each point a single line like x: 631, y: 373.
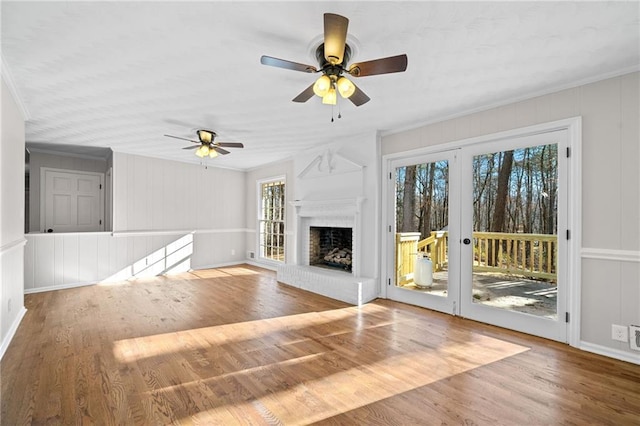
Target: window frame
x: 277, y: 218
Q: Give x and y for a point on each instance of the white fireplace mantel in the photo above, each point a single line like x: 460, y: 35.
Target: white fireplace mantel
x: 323, y: 208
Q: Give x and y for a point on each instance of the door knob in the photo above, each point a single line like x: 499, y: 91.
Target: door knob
x: 467, y: 241
x: 49, y: 230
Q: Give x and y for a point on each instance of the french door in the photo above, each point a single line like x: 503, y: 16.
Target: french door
x: 480, y: 232
x: 426, y: 259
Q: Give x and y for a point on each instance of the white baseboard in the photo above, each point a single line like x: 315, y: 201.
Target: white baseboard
x: 268, y: 266
x: 12, y: 331
x: 58, y: 287
x: 611, y: 353
x: 218, y: 265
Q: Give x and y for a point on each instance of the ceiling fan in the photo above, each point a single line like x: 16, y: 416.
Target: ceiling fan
x: 206, y: 145
x: 333, y: 56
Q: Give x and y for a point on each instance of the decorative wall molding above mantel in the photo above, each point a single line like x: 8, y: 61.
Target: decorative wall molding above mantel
x: 329, y: 163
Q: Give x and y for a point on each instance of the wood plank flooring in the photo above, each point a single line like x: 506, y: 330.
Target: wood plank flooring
x: 232, y: 346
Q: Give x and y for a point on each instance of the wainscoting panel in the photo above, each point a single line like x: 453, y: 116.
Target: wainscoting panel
x: 11, y: 277
x: 606, y: 272
x: 56, y: 261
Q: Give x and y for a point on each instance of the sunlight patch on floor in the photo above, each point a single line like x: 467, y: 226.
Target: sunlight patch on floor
x: 329, y: 395
x: 135, y: 349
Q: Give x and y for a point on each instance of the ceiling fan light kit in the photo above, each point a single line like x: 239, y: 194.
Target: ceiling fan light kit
x: 330, y: 97
x: 345, y: 87
x: 333, y: 56
x: 205, y: 151
x: 207, y: 146
x: 322, y: 85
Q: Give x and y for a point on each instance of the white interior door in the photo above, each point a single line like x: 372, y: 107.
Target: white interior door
x: 71, y: 201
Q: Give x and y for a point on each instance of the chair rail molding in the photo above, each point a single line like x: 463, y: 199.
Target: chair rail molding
x: 611, y: 254
x: 13, y: 245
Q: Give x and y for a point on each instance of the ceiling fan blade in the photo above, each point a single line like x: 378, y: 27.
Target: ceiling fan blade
x: 335, y: 37
x: 281, y: 63
x: 305, y: 95
x: 220, y: 150
x: 229, y: 144
x: 379, y: 66
x: 183, y: 139
x: 359, y: 97
x: 191, y: 147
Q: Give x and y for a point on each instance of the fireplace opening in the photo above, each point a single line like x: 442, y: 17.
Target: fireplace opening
x: 331, y: 247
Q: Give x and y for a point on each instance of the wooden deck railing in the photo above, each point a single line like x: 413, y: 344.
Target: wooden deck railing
x: 435, y: 247
x: 527, y: 255
x: 406, y: 253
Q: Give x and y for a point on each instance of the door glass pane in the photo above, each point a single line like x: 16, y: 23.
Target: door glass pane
x: 422, y: 237
x: 515, y: 202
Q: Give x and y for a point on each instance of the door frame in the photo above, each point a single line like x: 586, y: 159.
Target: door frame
x: 43, y: 192
x: 573, y: 126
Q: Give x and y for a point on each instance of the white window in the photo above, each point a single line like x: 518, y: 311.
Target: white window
x: 271, y: 220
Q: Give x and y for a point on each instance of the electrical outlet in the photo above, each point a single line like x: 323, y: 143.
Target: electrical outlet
x: 634, y: 341
x: 233, y: 252
x: 619, y: 333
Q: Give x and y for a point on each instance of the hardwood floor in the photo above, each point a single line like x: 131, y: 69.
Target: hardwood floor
x: 232, y: 346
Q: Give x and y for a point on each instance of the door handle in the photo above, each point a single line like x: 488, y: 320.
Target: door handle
x: 467, y: 241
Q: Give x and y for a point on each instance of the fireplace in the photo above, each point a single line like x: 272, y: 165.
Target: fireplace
x: 331, y: 247
x: 339, y: 224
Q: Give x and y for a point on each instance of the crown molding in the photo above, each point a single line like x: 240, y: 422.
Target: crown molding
x: 65, y: 153
x: 7, y: 77
x: 512, y: 100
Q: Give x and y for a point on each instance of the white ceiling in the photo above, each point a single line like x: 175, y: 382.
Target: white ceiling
x: 122, y: 74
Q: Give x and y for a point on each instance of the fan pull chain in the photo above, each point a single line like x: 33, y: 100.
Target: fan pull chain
x: 339, y: 111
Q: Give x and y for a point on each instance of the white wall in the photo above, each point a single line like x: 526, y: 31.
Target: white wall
x: 153, y: 195
x: 168, y: 217
x: 284, y: 168
x: 68, y: 162
x: 610, y: 113
x: 11, y: 217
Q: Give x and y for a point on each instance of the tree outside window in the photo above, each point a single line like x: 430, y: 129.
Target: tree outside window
x: 271, y: 220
